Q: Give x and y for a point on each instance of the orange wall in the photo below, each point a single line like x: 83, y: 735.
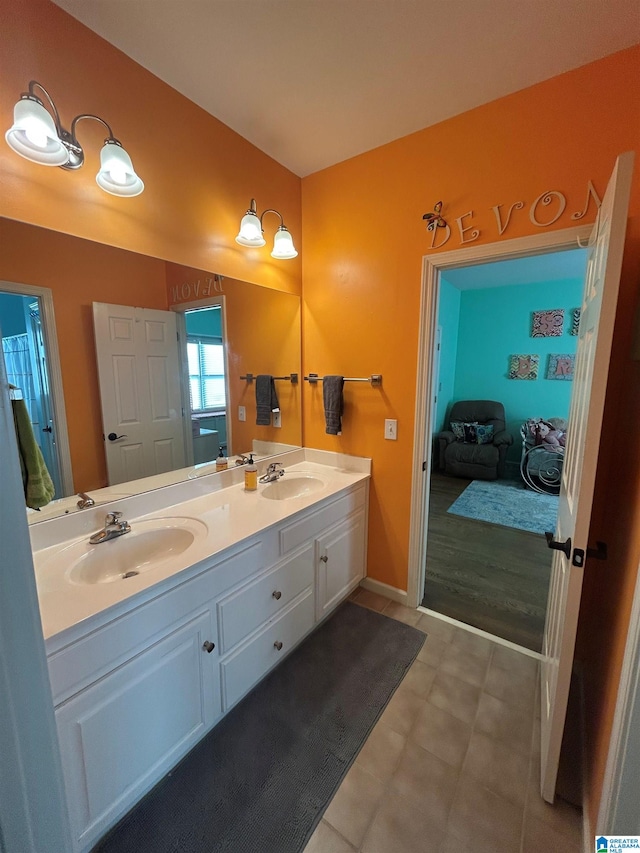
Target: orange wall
x: 199, y: 175
x: 364, y: 240
x: 263, y: 336
x: 79, y: 272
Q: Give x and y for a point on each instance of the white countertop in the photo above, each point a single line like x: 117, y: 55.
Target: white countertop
x: 229, y: 513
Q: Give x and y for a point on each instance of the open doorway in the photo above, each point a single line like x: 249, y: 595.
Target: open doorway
x: 207, y: 382
x: 507, y: 336
x: 29, y: 353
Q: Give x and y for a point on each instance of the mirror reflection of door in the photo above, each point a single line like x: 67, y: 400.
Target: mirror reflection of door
x: 207, y: 382
x: 26, y: 365
x: 140, y: 395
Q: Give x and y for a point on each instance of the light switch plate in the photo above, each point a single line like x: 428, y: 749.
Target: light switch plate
x: 242, y: 413
x: 276, y: 419
x: 391, y: 429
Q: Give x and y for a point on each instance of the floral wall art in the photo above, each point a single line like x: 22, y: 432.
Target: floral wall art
x: 523, y: 366
x: 561, y: 366
x: 547, y: 324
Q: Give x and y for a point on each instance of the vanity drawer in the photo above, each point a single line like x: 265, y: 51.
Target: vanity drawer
x: 293, y: 535
x: 245, y: 610
x: 242, y: 669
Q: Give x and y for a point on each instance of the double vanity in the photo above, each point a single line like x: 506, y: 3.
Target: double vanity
x: 153, y: 636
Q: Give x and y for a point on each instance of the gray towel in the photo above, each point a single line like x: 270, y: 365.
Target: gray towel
x: 266, y: 399
x: 333, y: 403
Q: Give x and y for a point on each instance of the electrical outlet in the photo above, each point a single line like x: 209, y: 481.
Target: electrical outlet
x: 276, y: 419
x: 242, y: 413
x: 391, y: 429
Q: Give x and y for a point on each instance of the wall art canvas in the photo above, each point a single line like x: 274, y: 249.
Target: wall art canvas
x: 547, y: 324
x: 561, y: 366
x: 523, y: 366
x: 575, y: 322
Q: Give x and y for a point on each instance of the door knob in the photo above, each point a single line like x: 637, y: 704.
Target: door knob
x: 208, y: 646
x: 324, y: 558
x: 47, y: 429
x: 113, y: 437
x: 277, y: 645
x: 558, y: 546
x: 277, y: 595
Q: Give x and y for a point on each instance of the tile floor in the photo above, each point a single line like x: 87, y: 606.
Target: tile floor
x: 452, y: 765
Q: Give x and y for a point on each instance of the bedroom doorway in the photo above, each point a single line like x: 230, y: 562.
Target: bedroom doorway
x: 487, y: 561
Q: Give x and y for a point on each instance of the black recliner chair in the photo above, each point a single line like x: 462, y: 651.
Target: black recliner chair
x: 470, y: 459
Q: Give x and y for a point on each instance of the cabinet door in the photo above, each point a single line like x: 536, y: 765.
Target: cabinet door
x: 340, y: 562
x: 120, y: 735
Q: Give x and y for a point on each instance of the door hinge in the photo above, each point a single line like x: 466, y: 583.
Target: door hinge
x: 597, y: 553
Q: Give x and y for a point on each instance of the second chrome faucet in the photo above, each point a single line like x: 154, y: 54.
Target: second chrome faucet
x: 274, y: 472
x: 114, y: 525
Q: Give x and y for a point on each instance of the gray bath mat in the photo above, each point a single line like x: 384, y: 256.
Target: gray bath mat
x: 261, y: 780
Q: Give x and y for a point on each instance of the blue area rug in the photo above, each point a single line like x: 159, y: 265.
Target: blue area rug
x: 508, y: 504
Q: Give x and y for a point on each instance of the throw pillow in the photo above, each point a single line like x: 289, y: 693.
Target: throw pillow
x: 457, y: 428
x: 484, y: 433
x: 470, y: 435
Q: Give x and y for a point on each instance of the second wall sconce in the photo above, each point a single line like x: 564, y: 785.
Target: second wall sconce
x: 38, y: 136
x: 251, y: 233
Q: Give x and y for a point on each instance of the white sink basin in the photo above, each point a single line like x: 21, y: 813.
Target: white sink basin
x: 150, y: 544
x: 292, y: 486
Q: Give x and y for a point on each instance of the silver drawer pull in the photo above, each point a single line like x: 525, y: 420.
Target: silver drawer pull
x: 277, y: 594
x: 208, y: 646
x: 277, y: 645
x: 324, y: 558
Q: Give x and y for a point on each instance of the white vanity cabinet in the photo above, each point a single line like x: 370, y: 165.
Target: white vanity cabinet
x: 122, y: 733
x: 135, y: 692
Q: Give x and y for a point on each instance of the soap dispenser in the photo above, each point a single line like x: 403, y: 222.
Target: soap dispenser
x: 221, y: 462
x: 250, y: 475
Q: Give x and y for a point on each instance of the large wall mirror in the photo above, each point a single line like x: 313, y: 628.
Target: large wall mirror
x: 115, y: 309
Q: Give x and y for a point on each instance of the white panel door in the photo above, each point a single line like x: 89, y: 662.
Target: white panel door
x: 579, y: 472
x: 139, y: 375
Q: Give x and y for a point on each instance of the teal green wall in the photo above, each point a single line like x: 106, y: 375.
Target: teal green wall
x: 495, y: 323
x: 12, y: 320
x: 205, y: 322
x: 448, y: 320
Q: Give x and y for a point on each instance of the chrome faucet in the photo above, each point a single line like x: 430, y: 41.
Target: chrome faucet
x: 113, y: 527
x: 85, y: 501
x: 274, y: 472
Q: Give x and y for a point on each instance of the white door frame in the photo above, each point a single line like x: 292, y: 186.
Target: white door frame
x: 432, y: 266
x: 33, y: 809
x: 58, y: 410
x: 618, y: 813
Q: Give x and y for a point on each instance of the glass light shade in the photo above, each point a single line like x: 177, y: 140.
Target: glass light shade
x: 117, y: 175
x: 33, y: 134
x: 250, y: 233
x: 283, y: 247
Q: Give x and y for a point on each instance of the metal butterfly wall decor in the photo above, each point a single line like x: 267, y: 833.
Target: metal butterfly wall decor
x: 435, y: 220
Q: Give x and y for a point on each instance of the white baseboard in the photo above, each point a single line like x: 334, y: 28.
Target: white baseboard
x: 380, y: 588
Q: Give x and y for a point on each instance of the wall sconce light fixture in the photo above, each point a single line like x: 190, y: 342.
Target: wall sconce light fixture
x: 251, y: 233
x: 38, y: 135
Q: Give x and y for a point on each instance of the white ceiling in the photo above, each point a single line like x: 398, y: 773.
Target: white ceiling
x: 313, y: 82
x: 556, y: 266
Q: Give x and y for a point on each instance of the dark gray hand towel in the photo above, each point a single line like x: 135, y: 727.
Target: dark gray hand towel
x: 266, y: 399
x: 333, y: 403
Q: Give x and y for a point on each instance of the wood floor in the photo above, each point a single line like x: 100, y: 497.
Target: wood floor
x: 494, y: 578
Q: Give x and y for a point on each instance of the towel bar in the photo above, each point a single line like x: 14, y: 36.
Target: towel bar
x: 375, y: 379
x: 292, y: 377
